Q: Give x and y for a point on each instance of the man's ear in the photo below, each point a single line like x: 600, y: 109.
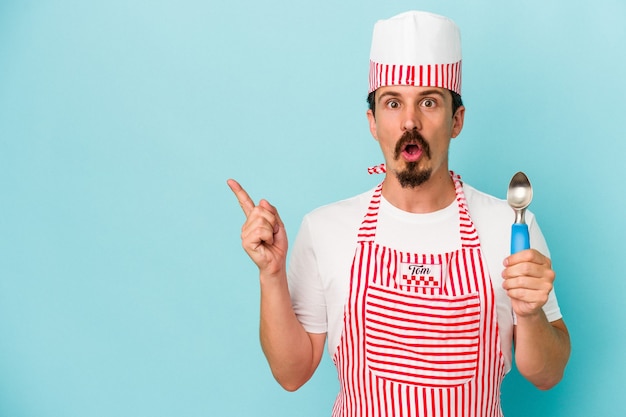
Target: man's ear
x: 457, y: 121
x: 372, y: 122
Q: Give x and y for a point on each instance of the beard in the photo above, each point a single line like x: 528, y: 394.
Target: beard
x: 412, y: 175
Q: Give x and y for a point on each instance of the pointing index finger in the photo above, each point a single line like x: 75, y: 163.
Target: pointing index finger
x: 244, y: 199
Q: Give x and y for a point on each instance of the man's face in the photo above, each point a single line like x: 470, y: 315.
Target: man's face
x: 413, y: 126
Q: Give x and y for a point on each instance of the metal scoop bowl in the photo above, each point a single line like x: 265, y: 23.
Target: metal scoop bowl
x: 519, y: 196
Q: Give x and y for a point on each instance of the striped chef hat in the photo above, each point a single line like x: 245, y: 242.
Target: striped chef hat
x: 416, y: 48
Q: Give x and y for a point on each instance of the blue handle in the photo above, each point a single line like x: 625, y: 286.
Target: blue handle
x: 519, y: 237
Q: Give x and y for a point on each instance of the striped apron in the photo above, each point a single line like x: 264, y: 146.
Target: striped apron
x: 420, y: 335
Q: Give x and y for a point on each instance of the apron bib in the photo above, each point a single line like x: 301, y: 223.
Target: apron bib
x: 420, y: 334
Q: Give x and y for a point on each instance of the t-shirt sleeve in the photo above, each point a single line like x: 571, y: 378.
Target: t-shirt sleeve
x: 305, y: 285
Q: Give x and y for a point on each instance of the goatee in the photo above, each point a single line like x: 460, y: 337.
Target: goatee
x: 412, y: 176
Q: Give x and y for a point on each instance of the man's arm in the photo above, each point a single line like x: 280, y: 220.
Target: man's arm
x: 542, y: 348
x: 292, y: 353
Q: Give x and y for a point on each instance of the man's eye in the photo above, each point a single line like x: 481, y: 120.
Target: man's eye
x: 393, y: 104
x: 428, y: 102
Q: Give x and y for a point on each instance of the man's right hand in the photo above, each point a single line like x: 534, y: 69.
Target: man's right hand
x: 263, y: 234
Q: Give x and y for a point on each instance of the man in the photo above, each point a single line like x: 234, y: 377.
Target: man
x: 411, y: 282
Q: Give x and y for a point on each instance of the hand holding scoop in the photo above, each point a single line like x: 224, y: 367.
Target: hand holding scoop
x: 519, y: 196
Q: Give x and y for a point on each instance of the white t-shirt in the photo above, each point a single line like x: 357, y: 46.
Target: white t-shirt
x: 322, y: 254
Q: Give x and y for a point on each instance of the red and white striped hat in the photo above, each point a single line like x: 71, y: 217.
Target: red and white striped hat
x: 416, y: 48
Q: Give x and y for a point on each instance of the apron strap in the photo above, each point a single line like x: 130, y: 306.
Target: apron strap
x: 367, y: 231
x: 469, y: 234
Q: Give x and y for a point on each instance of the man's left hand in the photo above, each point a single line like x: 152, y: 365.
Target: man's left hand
x: 528, y: 280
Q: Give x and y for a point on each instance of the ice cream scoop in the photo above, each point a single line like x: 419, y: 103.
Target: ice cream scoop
x: 519, y: 196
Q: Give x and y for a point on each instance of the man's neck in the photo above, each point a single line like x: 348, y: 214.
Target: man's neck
x: 435, y: 194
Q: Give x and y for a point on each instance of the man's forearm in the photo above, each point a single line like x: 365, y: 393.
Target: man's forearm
x: 541, y: 350
x: 289, y: 349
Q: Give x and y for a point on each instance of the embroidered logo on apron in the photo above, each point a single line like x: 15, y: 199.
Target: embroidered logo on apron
x: 421, y: 275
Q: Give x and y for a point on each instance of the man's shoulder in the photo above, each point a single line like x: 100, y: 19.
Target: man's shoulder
x: 334, y: 225
x: 481, y: 198
x: 487, y: 210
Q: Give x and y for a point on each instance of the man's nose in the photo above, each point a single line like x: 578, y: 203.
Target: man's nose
x: 411, y: 120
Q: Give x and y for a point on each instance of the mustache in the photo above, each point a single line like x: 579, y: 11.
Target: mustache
x: 412, y: 137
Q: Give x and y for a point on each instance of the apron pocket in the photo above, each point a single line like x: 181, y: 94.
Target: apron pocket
x: 422, y: 340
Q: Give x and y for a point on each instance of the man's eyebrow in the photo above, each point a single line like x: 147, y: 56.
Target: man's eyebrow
x: 388, y: 93
x: 424, y: 93
x: 432, y: 92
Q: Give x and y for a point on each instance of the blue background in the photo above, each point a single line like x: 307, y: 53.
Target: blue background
x: 123, y: 287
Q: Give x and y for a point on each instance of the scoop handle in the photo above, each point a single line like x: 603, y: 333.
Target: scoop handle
x: 520, y: 239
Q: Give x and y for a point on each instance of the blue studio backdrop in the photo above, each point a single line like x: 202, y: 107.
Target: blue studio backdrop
x: 123, y: 287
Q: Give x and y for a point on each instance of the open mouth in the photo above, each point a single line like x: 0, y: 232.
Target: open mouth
x: 411, y: 147
x: 411, y: 152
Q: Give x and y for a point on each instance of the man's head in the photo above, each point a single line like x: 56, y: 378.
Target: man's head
x: 415, y: 105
